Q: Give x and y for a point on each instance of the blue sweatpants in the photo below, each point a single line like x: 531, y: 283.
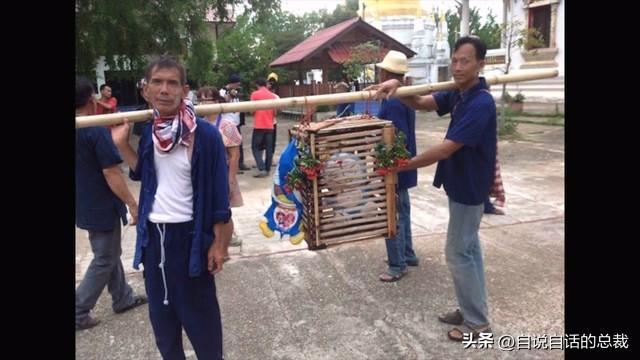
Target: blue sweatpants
x: 176, y: 300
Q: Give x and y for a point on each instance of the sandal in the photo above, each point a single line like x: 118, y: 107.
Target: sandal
x: 453, y: 318
x: 457, y: 334
x: 389, y: 277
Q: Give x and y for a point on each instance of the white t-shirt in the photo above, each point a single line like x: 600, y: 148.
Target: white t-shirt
x: 173, y: 202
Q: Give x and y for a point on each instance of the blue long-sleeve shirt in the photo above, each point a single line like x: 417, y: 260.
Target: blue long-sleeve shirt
x: 209, y: 177
x: 404, y: 119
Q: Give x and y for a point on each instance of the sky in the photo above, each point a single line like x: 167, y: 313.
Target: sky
x: 299, y: 7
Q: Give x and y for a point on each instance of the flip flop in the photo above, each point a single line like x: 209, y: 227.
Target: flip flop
x: 457, y: 334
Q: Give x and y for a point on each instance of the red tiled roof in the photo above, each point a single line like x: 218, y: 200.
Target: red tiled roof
x: 312, y: 43
x: 338, y: 52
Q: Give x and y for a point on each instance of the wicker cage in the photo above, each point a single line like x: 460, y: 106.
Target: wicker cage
x: 348, y: 200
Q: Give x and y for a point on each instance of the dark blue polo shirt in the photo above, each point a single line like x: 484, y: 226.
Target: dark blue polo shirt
x: 467, y: 175
x: 404, y: 119
x: 97, y: 207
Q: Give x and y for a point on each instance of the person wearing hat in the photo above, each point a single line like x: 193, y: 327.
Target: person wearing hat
x: 231, y: 94
x: 466, y: 168
x: 346, y: 109
x: 400, y: 253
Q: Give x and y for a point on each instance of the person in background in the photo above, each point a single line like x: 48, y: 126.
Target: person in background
x: 345, y: 109
x: 101, y: 195
x: 262, y: 130
x: 232, y: 94
x: 107, y: 104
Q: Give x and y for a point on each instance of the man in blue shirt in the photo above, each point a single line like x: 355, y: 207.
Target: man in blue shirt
x: 184, y: 205
x: 466, y: 166
x: 400, y: 251
x: 101, y: 194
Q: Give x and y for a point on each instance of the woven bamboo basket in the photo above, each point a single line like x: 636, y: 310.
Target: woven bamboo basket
x: 348, y: 201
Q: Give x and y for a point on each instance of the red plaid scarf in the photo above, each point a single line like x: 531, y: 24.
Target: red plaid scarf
x: 168, y: 131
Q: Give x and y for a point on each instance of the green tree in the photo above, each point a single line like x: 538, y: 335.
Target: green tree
x: 126, y: 32
x: 246, y: 50
x: 361, y: 55
x: 515, y: 35
x: 489, y: 31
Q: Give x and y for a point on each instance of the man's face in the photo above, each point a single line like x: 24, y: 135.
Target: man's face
x: 164, y: 90
x: 106, y: 92
x: 464, y: 66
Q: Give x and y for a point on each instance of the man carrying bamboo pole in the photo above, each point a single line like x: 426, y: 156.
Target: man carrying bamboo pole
x: 400, y: 253
x: 184, y: 204
x: 466, y: 165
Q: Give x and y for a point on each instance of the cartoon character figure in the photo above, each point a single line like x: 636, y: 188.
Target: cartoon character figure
x: 285, y: 213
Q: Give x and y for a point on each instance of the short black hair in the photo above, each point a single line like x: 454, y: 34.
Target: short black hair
x: 84, y: 91
x: 478, y: 44
x: 103, y: 86
x: 166, y: 62
x: 261, y: 82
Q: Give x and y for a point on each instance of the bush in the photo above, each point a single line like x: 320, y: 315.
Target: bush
x: 323, y: 108
x: 518, y: 98
x: 506, y: 124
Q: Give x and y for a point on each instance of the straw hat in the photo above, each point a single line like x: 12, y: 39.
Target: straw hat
x: 395, y: 62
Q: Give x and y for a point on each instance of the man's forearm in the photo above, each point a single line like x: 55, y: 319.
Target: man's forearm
x: 106, y: 105
x: 129, y: 155
x: 115, y: 180
x: 219, y: 243
x: 413, y: 101
x: 436, y: 153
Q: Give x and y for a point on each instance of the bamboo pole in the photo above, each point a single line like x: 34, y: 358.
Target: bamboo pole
x: 301, y: 101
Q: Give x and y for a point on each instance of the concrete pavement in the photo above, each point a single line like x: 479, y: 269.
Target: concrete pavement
x: 280, y: 301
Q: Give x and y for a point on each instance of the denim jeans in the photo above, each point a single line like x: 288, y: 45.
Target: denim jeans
x: 400, y: 250
x: 464, y: 259
x: 262, y: 139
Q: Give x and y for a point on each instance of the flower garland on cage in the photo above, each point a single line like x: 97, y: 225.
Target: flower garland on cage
x: 306, y: 168
x: 391, y: 157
